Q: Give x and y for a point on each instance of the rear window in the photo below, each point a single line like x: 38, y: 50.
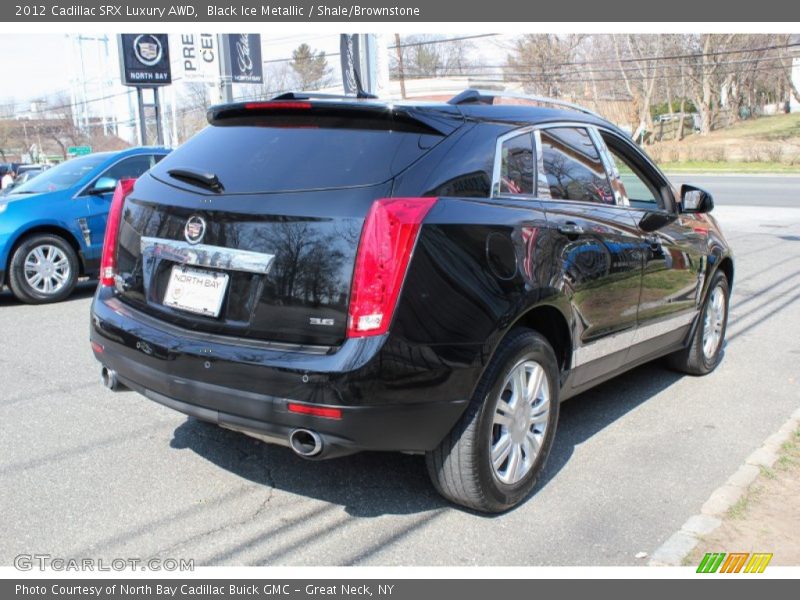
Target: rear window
x: 266, y: 155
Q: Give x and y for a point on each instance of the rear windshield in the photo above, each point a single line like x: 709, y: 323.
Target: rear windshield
x: 250, y: 156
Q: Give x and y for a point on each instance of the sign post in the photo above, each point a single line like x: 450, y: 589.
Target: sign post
x: 144, y: 63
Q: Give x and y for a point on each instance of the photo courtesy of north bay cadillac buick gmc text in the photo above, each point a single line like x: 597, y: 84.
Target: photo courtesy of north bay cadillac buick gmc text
x: 341, y: 274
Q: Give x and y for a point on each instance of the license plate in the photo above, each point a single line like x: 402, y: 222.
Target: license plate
x: 195, y: 290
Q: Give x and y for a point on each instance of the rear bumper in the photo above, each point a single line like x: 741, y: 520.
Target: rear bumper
x: 386, y: 403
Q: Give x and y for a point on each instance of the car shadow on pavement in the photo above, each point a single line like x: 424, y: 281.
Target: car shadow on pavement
x: 592, y: 411
x: 372, y: 484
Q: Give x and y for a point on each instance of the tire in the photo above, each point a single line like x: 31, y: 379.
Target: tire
x: 696, y: 359
x: 461, y: 467
x: 33, y: 257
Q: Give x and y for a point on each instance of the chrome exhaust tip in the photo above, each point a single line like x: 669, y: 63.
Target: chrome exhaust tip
x: 109, y: 378
x: 305, y: 443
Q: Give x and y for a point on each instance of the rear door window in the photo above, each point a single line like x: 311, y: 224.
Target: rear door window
x: 573, y: 167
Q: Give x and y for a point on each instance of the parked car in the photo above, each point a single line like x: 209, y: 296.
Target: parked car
x: 24, y: 173
x: 52, y: 226
x: 347, y: 275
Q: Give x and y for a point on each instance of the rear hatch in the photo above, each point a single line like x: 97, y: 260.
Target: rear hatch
x: 250, y: 229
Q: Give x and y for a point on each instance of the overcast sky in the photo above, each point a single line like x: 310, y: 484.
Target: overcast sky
x: 41, y: 65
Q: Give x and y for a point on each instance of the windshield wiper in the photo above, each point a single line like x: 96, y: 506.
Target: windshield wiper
x: 199, y: 178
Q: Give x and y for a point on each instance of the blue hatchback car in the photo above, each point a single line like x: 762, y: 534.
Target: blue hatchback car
x: 52, y: 227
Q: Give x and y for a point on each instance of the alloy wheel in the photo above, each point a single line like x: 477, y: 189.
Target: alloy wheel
x: 520, y: 421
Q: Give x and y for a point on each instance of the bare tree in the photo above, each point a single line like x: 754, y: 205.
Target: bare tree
x: 60, y: 127
x: 430, y: 56
x: 544, y: 63
x: 786, y: 57
x: 704, y: 73
x: 638, y: 59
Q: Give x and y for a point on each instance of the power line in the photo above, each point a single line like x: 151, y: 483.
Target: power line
x: 392, y: 47
x: 560, y: 74
x: 442, y: 41
x: 682, y: 56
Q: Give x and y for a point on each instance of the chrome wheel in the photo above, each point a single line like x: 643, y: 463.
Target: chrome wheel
x: 713, y: 322
x: 46, y: 269
x: 520, y: 421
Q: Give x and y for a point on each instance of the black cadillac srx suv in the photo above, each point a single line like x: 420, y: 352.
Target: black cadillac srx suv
x: 338, y: 275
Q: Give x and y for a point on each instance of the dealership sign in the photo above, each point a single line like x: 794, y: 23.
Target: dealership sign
x: 244, y: 50
x: 199, y: 54
x: 144, y: 59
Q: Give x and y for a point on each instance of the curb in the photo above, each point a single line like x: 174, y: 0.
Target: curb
x: 678, y: 546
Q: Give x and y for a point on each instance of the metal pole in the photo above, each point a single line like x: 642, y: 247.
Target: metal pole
x: 159, y: 124
x: 142, y: 122
x: 225, y: 68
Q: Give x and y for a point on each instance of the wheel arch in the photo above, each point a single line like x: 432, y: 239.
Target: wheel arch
x: 550, y: 322
x: 726, y: 266
x: 52, y: 229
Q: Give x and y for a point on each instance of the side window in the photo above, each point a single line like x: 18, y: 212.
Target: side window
x: 516, y: 165
x: 573, y: 167
x: 641, y: 192
x: 134, y: 167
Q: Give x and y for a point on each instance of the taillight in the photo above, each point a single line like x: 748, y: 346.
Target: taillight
x: 108, y: 264
x: 387, y: 240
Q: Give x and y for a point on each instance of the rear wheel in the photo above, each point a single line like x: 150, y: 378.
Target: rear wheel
x: 44, y: 268
x: 705, y: 350
x: 493, y: 456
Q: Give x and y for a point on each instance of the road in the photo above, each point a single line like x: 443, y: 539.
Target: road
x: 85, y: 472
x: 747, y: 190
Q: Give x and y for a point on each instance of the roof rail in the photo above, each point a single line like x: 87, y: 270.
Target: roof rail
x: 310, y: 95
x: 487, y: 97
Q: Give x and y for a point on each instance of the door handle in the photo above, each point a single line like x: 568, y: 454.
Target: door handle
x: 570, y: 228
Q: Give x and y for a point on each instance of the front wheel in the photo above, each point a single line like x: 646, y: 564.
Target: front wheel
x: 493, y: 456
x: 44, y: 268
x: 704, y: 352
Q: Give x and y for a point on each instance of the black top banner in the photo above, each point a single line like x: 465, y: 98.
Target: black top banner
x: 144, y: 59
x: 781, y: 11
x: 244, y: 53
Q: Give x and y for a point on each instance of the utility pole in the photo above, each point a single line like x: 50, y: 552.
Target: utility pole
x: 400, y: 69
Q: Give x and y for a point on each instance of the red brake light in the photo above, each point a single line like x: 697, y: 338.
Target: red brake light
x: 316, y: 411
x: 277, y: 105
x: 387, y: 240
x: 108, y: 264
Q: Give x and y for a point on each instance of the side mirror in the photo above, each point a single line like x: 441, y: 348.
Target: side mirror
x: 695, y: 200
x: 104, y: 185
x: 653, y: 221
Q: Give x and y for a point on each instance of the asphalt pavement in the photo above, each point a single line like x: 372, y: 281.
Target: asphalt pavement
x: 747, y: 190
x: 85, y: 472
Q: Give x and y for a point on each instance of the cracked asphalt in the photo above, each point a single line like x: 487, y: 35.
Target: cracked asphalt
x: 85, y: 472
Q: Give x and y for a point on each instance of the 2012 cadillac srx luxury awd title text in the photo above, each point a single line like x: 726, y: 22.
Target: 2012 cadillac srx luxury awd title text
x: 342, y: 274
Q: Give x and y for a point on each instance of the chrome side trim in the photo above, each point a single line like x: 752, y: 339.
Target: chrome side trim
x: 202, y: 255
x: 85, y: 231
x: 625, y: 339
x: 542, y: 185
